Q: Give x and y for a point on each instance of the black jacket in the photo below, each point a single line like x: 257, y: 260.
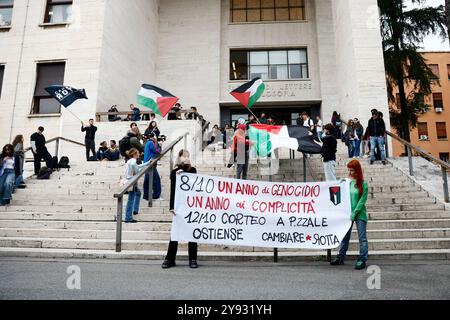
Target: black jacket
x: 329, y: 148
x: 17, y: 162
x: 376, y: 128
x: 90, y: 132
x: 173, y: 182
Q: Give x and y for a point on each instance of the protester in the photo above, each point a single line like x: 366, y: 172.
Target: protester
x: 319, y: 127
x: 215, y: 135
x: 19, y: 151
x: 136, y: 115
x: 183, y: 164
x: 113, y: 151
x: 192, y: 114
x: 359, y: 190
x: 377, y: 132
x: 172, y: 115
x: 271, y: 121
x: 152, y: 128
x: 229, y: 134
x: 307, y: 121
x: 251, y: 120
x: 102, y: 153
x: 358, y: 132
x: 134, y: 195
x: 241, y: 150
x: 263, y: 119
x: 152, y: 151
x: 39, y: 149
x: 337, y: 123
x: 114, y: 117
x: 135, y: 139
x: 89, y: 139
x: 9, y: 169
x: 349, y: 138
x: 329, y: 149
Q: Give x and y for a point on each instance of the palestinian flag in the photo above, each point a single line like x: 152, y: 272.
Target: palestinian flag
x: 267, y: 138
x: 250, y: 92
x: 156, y: 99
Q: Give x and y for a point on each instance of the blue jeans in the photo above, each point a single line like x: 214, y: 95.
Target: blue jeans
x: 357, y: 150
x: 351, y: 148
x: 363, y: 244
x: 7, y: 180
x: 133, y: 203
x: 374, y: 141
x: 18, y: 181
x: 156, y: 185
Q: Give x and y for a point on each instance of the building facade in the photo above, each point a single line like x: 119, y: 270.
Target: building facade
x: 431, y: 133
x: 314, y: 55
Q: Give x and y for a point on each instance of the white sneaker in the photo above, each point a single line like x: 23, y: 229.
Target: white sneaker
x: 159, y: 199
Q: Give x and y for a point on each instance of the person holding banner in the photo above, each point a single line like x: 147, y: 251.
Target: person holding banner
x: 329, y: 149
x: 241, y: 151
x: 359, y: 190
x: 183, y: 164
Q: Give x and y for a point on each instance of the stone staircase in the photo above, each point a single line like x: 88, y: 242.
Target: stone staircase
x: 74, y: 213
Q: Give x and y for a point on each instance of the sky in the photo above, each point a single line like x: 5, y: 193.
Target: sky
x: 434, y: 43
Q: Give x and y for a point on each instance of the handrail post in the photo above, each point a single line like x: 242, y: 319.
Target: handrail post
x: 304, y: 168
x: 410, y: 162
x: 444, y: 177
x: 386, y: 146
x: 57, y: 147
x: 150, y: 186
x: 119, y: 224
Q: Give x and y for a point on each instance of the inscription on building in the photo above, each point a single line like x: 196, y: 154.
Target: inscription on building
x: 282, y: 90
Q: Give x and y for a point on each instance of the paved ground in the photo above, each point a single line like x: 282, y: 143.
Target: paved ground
x: 105, y: 279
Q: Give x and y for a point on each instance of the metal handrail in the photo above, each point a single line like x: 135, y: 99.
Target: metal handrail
x: 57, y: 140
x: 444, y: 165
x: 147, y: 169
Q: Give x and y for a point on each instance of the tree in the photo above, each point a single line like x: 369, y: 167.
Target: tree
x: 402, y: 31
x: 447, y: 10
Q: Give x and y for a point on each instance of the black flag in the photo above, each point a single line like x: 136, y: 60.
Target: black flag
x: 66, y: 95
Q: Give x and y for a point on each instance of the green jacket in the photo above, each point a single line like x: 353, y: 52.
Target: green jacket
x: 359, y: 211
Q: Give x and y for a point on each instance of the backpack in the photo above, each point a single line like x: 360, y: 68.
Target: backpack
x: 92, y: 158
x: 124, y: 145
x: 44, y: 173
x: 64, y: 163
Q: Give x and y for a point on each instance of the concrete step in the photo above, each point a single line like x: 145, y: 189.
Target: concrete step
x: 424, y: 254
x: 166, y: 226
x: 165, y: 235
x: 160, y: 245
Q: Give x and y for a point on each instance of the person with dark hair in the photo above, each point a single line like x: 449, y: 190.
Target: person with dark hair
x: 241, y: 151
x: 152, y: 151
x: 113, y: 153
x: 377, y: 132
x: 89, y: 139
x: 263, y: 119
x: 9, y: 169
x: 172, y: 115
x: 182, y: 164
x: 114, y: 117
x: 102, y: 153
x: 39, y: 149
x: 136, y: 115
x: 349, y: 138
x: 152, y: 128
x: 337, y: 123
x: 19, y: 151
x: 359, y: 190
x: 329, y: 149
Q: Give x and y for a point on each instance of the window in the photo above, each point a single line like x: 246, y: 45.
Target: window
x: 47, y: 74
x: 58, y: 11
x: 441, y: 130
x: 422, y: 128
x: 444, y: 156
x: 435, y: 69
x: 266, y: 10
x: 437, y: 100
x: 448, y: 71
x: 269, y: 64
x: 6, y: 10
x: 2, y: 73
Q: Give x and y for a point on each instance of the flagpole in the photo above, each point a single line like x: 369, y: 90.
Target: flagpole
x: 254, y: 115
x: 73, y: 114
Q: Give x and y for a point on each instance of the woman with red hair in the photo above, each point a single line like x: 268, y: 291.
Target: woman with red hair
x: 359, y: 191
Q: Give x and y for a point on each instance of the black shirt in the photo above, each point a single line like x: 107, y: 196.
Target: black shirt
x: 173, y: 182
x: 329, y: 148
x: 39, y: 141
x: 90, y: 132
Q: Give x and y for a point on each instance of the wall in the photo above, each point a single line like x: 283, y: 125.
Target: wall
x: 272, y: 35
x: 361, y: 81
x: 189, y: 53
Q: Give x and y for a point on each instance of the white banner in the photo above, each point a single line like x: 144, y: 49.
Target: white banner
x: 217, y: 210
